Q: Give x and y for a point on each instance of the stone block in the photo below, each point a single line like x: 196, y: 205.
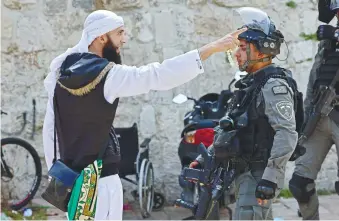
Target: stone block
x: 211, y: 26
x: 161, y: 97
x: 291, y: 30
x: 171, y: 52
x: 44, y: 58
x: 275, y: 17
x: 184, y: 25
x: 73, y: 38
x: 231, y: 3
x: 127, y: 114
x: 6, y: 67
x: 143, y: 27
x: 6, y: 27
x: 147, y: 121
x: 52, y: 7
x: 129, y: 24
x: 165, y: 31
x: 87, y: 5
x: 191, y: 3
x: 122, y: 4
x: 301, y: 74
x: 18, y: 4
x: 29, y: 40
x: 308, y: 21
x: 302, y: 51
x: 139, y: 54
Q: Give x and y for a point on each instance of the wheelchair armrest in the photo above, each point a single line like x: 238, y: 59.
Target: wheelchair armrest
x: 145, y: 143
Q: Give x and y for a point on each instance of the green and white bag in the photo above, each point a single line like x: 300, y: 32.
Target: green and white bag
x: 83, y: 200
x: 82, y: 204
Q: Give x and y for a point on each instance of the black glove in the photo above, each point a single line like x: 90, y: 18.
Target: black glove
x: 265, y: 190
x: 326, y: 32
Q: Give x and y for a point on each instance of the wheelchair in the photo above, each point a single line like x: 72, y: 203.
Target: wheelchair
x: 135, y: 161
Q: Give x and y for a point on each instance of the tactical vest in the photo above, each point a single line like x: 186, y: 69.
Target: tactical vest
x: 329, y: 66
x: 256, y: 139
x: 83, y: 116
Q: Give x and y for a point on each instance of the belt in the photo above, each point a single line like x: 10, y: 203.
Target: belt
x: 257, y: 165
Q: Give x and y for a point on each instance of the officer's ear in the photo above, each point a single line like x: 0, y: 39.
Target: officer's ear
x: 261, y: 55
x: 254, y: 50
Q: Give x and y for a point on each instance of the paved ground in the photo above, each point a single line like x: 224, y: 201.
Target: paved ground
x: 283, y: 208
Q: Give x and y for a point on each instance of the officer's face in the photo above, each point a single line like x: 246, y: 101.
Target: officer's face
x: 241, y: 54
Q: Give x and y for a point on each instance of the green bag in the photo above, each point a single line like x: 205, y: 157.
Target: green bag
x: 83, y: 200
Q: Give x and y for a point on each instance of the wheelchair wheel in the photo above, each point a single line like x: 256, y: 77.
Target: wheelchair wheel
x: 158, y: 202
x: 146, y: 188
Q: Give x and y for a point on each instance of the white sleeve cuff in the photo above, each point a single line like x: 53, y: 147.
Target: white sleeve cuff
x: 200, y: 67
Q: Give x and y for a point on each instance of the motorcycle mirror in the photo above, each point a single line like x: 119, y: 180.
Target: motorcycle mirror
x: 179, y: 99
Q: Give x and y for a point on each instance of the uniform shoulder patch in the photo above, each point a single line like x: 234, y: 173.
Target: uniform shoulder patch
x: 282, y: 89
x: 285, y: 109
x: 271, y: 80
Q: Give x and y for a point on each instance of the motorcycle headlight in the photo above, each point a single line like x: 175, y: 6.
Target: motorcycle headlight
x: 190, y: 137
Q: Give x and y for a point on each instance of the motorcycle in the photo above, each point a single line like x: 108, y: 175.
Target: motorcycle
x: 199, y: 124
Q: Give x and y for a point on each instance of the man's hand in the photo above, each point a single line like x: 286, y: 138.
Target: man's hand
x: 228, y: 42
x: 194, y: 164
x: 326, y: 32
x: 265, y: 190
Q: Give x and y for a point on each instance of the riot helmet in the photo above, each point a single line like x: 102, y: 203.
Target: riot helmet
x: 261, y: 32
x: 327, y: 10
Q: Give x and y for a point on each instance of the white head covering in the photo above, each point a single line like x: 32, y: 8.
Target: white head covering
x: 96, y: 24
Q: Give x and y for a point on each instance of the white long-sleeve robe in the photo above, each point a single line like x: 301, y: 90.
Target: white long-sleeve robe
x: 125, y: 81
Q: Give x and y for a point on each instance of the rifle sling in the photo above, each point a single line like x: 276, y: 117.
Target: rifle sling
x: 334, y: 115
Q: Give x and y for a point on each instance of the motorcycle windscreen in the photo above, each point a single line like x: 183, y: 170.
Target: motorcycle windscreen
x: 334, y: 5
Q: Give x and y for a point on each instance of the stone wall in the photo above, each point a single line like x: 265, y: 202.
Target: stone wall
x: 35, y: 31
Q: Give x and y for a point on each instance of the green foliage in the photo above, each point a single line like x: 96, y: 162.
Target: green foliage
x: 39, y: 213
x: 291, y: 4
x: 323, y: 192
x: 309, y: 36
x: 285, y: 193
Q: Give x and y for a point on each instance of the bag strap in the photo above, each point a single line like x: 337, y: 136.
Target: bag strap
x: 103, y: 150
x: 55, y: 109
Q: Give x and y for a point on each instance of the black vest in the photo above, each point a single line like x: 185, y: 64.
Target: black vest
x: 83, y: 116
x: 256, y: 139
x: 329, y: 66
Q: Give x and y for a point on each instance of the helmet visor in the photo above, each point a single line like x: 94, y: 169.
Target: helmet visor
x: 252, y: 18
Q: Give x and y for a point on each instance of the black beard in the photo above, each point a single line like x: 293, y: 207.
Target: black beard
x: 110, y: 53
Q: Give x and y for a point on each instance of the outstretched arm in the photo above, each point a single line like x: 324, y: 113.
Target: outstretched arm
x: 125, y: 81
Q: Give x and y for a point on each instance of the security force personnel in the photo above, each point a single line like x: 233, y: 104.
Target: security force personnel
x: 265, y: 106
x: 321, y: 132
